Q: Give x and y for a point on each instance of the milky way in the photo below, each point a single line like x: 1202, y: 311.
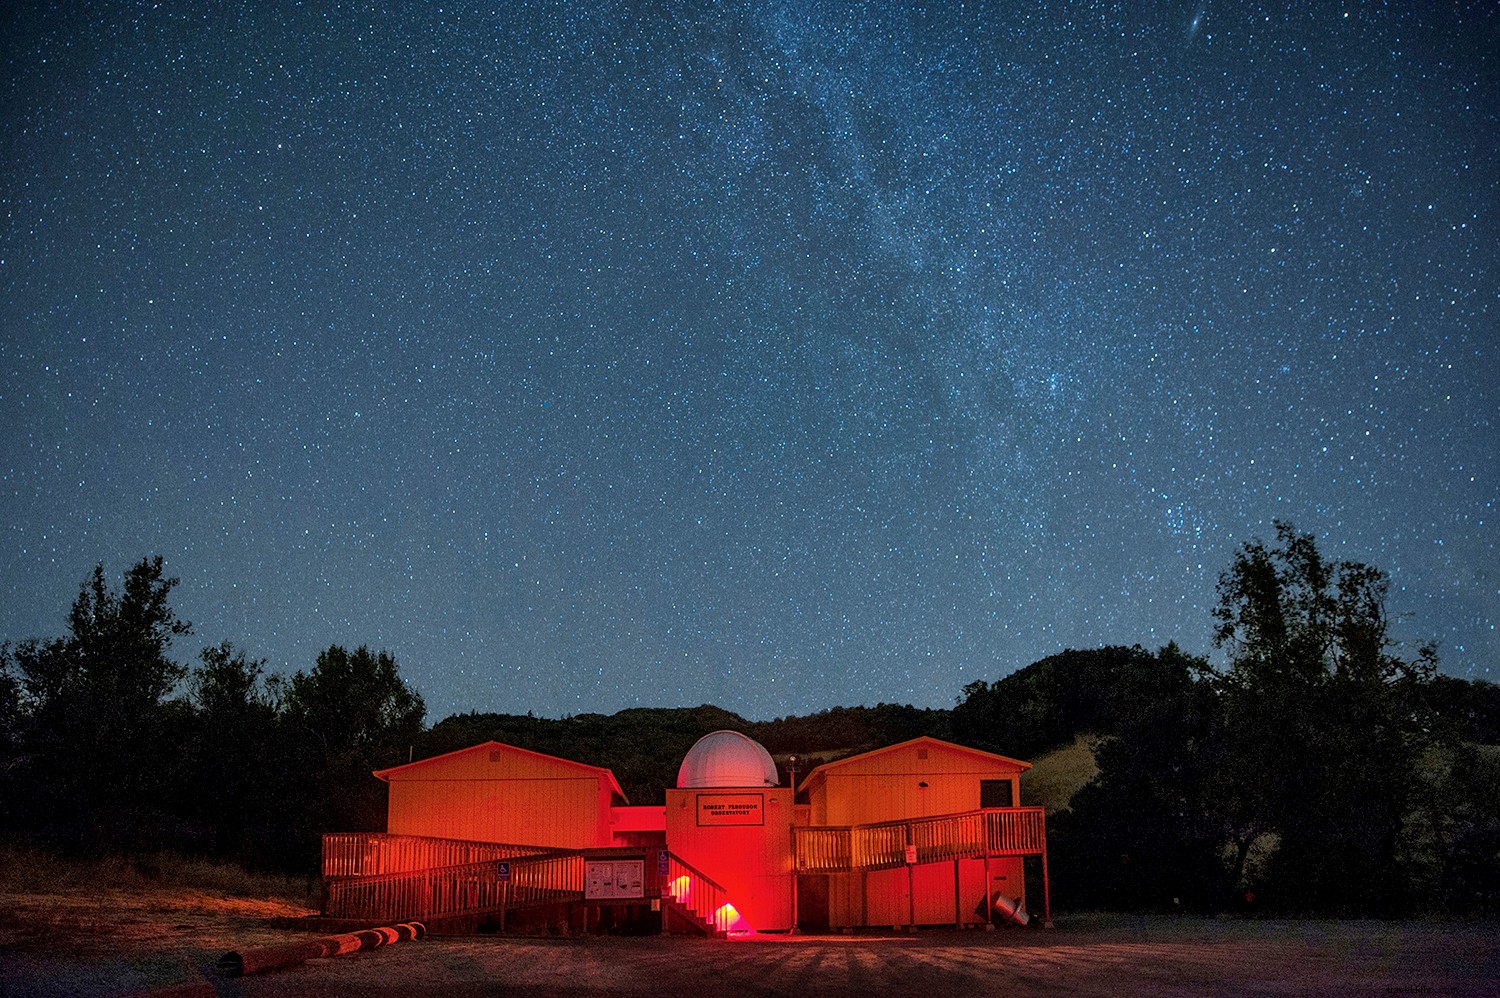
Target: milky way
x: 773, y: 355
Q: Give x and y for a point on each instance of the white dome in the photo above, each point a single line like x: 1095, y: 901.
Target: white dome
x: 726, y: 759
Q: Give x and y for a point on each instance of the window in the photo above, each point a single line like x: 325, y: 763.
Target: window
x: 996, y: 793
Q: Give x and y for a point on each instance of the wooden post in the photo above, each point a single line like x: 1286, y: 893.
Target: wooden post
x: 794, y: 902
x: 989, y: 913
x: 911, y: 883
x: 958, y: 908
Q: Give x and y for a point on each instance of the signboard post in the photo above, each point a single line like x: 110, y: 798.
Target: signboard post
x: 502, y: 875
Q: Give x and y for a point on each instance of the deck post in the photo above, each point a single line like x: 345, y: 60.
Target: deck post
x: 989, y: 911
x: 911, y: 883
x: 958, y: 907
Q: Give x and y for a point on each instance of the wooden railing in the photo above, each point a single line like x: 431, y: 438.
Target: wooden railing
x: 1011, y: 831
x: 702, y: 897
x: 368, y: 854
x: 465, y: 888
x: 1016, y: 831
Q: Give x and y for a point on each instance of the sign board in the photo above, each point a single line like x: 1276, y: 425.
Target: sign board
x: 502, y: 872
x: 911, y: 855
x: 663, y: 862
x: 731, y: 809
x: 604, y: 880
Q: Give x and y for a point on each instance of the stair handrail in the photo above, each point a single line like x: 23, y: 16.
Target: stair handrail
x: 699, y: 893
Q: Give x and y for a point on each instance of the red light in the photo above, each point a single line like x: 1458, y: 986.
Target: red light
x: 729, y: 920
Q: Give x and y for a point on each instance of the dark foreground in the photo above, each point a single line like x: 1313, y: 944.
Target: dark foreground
x: 1099, y: 957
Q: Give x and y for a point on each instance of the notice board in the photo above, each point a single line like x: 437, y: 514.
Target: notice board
x: 613, y: 878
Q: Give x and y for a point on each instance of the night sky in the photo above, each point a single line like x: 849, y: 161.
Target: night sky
x: 772, y: 355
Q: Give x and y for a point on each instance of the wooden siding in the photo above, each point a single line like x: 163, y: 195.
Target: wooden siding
x: 499, y: 793
x: 922, y: 777
x: 560, y: 813
x: 865, y: 879
x: 494, y: 761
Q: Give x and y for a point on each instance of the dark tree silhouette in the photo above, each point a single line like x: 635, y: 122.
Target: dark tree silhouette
x: 350, y: 714
x: 1324, y: 724
x: 99, y: 736
x: 233, y: 792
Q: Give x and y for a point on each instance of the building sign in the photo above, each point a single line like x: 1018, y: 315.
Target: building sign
x: 615, y: 878
x: 731, y: 809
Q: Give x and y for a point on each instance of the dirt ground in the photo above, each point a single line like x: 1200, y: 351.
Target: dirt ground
x: 114, y: 942
x: 90, y: 945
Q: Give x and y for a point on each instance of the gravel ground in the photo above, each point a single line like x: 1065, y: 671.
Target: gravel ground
x: 159, y: 942
x: 1178, y: 958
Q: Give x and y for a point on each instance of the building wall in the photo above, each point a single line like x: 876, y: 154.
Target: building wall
x: 501, y: 794
x: 496, y: 793
x: 887, y: 786
x: 880, y: 897
x: 753, y: 863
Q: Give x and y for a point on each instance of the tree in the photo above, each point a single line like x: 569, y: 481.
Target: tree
x: 12, y: 717
x: 234, y: 792
x: 347, y: 716
x: 98, y: 732
x: 1323, y: 723
x: 1141, y: 834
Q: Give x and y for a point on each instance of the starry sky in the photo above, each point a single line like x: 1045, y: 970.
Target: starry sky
x: 777, y: 355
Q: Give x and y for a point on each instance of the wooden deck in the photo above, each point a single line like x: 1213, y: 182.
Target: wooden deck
x: 1003, y: 831
x: 395, y: 877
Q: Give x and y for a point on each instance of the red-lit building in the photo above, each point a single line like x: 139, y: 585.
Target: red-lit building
x: 924, y: 832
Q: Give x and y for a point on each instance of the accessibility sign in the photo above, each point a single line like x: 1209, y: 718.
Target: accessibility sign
x: 502, y: 872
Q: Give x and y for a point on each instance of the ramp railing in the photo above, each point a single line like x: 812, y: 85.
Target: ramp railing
x: 461, y: 889
x: 366, y: 854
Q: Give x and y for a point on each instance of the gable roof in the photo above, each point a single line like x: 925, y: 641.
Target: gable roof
x: 490, y: 746
x: 922, y: 741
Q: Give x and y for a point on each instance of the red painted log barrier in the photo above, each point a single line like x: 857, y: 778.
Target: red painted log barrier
x: 258, y: 961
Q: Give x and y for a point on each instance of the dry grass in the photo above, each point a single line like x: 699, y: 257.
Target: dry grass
x: 32, y: 871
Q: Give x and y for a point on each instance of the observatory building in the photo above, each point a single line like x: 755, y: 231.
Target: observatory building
x: 925, y: 832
